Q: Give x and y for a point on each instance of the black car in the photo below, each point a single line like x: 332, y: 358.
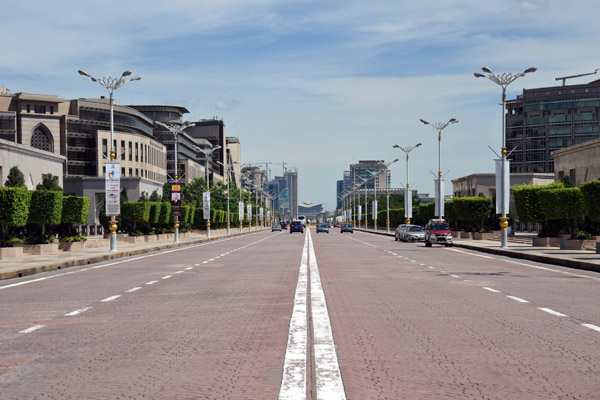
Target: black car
x: 347, y: 228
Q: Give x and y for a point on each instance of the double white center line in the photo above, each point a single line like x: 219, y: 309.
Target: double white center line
x: 328, y: 378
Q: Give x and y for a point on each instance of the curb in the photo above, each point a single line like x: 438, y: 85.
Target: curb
x: 27, y: 271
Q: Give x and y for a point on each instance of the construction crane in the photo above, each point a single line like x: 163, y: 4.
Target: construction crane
x: 265, y: 163
x: 283, y: 164
x: 564, y: 78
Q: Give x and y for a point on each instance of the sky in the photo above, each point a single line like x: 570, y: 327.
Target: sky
x: 317, y: 84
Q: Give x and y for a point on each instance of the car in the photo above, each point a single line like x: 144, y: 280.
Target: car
x: 276, y: 227
x: 322, y: 227
x: 437, y: 231
x: 284, y: 225
x: 346, y: 228
x: 413, y: 233
x: 399, y: 231
x: 296, y: 226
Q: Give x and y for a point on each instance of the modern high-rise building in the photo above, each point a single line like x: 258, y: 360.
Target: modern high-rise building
x: 543, y: 120
x: 364, y: 170
x: 286, y: 187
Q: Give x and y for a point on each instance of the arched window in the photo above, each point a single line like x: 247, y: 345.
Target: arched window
x: 42, y: 139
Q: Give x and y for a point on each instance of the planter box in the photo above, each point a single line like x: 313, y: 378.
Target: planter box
x: 72, y: 246
x: 597, y: 247
x: 11, y: 253
x: 162, y: 236
x: 574, y: 244
x: 150, y: 238
x: 466, y: 235
x: 134, y: 239
x: 455, y: 234
x: 482, y: 235
x: 45, y: 249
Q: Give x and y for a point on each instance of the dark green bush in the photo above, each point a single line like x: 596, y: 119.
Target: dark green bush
x: 591, y: 199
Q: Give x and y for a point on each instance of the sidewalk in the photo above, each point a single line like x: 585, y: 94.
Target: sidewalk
x: 98, y: 250
x: 578, y: 259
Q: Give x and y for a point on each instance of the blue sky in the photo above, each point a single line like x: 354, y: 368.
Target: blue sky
x: 317, y: 84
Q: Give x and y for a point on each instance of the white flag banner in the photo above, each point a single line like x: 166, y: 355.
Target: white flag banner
x: 261, y: 214
x: 374, y: 209
x: 359, y: 212
x: 113, y: 189
x: 502, y: 202
x: 408, y: 204
x: 439, y: 194
x: 241, y: 210
x: 206, y: 205
x: 249, y: 212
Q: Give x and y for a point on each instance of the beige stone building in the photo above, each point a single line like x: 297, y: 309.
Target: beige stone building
x: 580, y: 162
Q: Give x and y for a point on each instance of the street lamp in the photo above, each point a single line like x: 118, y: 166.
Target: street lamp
x: 111, y: 84
x: 439, y: 198
x: 175, y: 127
x: 251, y: 185
x: 387, y: 192
x: 408, y: 195
x: 374, y: 202
x: 228, y: 171
x: 364, y: 182
x: 208, y: 153
x: 502, y: 201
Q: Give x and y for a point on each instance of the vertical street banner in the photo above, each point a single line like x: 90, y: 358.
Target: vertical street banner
x: 408, y: 203
x: 374, y: 209
x: 249, y: 212
x: 439, y: 194
x: 175, y: 199
x: 268, y: 215
x: 113, y: 189
x: 359, y: 212
x: 261, y: 214
x: 206, y: 205
x: 502, y: 202
x: 241, y: 211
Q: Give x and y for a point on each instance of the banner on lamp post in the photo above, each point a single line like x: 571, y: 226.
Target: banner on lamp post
x: 408, y: 203
x: 113, y: 189
x: 249, y: 212
x: 374, y: 209
x: 261, y: 214
x: 439, y: 198
x: 359, y: 212
x: 502, y: 202
x: 241, y: 210
x: 206, y: 205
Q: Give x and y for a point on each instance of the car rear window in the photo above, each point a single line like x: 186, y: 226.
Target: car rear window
x: 295, y: 223
x: 439, y: 227
x: 415, y: 229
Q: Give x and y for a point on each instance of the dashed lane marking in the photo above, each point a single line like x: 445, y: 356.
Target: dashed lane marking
x: 489, y: 289
x: 515, y: 298
x: 111, y: 298
x: 77, y: 312
x: 32, y: 329
x: 593, y: 327
x: 552, y: 312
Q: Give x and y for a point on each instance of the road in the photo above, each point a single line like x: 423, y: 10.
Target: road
x: 326, y: 316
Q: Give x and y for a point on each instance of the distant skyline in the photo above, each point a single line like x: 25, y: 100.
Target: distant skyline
x: 317, y: 84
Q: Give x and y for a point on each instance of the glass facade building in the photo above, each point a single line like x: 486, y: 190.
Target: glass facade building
x: 543, y: 120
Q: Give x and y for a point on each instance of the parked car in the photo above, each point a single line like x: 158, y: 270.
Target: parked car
x: 276, y: 227
x: 413, y: 233
x: 322, y: 227
x: 437, y: 231
x: 296, y: 226
x: 346, y: 228
x: 399, y: 230
x: 284, y: 226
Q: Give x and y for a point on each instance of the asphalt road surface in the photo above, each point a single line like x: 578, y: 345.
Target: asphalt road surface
x: 303, y: 316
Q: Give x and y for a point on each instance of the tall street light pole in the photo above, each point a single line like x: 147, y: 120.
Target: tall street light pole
x: 374, y: 202
x: 408, y: 195
x: 439, y: 200
x: 175, y: 127
x: 364, y: 182
x: 228, y: 171
x: 208, y: 153
x: 503, y: 200
x: 111, y: 84
x: 387, y: 192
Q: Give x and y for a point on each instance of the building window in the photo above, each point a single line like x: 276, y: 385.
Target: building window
x: 573, y: 176
x: 142, y: 155
x: 28, y: 108
x: 104, y: 148
x: 39, y: 109
x: 137, y: 172
x: 123, y: 151
x: 122, y: 171
x: 130, y: 152
x: 51, y: 109
x: 41, y: 138
x: 136, y: 152
x: 130, y: 171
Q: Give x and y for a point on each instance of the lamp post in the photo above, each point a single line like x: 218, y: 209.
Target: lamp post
x: 228, y: 171
x: 374, y: 202
x: 502, y: 201
x: 439, y: 200
x: 175, y: 127
x: 408, y: 195
x: 208, y: 152
x: 111, y: 84
x: 364, y: 182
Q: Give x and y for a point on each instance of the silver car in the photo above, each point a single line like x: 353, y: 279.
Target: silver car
x: 413, y: 233
x: 399, y: 231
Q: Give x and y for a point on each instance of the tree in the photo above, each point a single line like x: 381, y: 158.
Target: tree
x: 48, y: 183
x: 154, y: 196
x: 15, y: 178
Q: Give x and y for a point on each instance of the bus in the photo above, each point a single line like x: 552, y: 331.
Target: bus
x: 303, y: 219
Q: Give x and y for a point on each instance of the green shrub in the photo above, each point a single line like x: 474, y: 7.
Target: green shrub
x: 45, y: 209
x: 75, y: 209
x: 135, y: 212
x: 591, y: 199
x: 14, y: 206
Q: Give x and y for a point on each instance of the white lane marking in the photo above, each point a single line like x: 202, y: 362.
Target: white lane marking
x: 133, y: 290
x: 166, y: 277
x: 515, y: 298
x: 550, y: 311
x: 491, y: 290
x: 471, y: 254
x: 412, y: 261
x: 455, y: 276
x: 293, y: 384
x: 33, y: 328
x: 327, y: 370
x: 77, y: 312
x: 151, y: 282
x: 179, y: 272
x: 111, y: 298
x: 594, y: 327
x: 422, y: 265
x: 188, y: 268
x: 430, y: 267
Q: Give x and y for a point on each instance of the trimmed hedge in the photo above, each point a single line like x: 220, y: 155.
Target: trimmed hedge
x: 136, y: 212
x: 561, y: 203
x: 527, y: 201
x: 46, y: 207
x: 155, y: 211
x: 14, y: 206
x: 75, y: 209
x: 591, y: 199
